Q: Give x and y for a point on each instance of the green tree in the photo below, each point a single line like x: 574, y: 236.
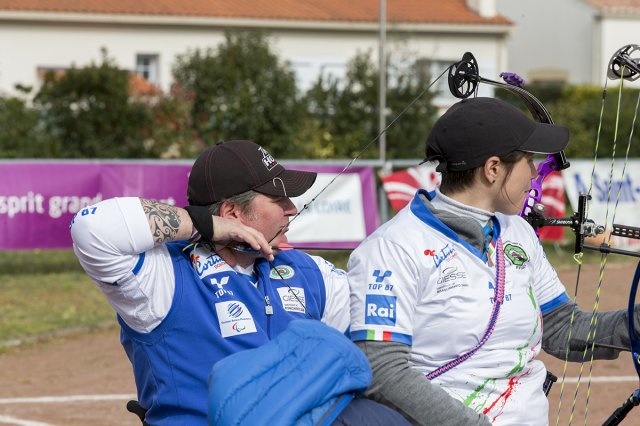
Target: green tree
x: 241, y: 90
x: 579, y: 108
x: 344, y: 113
x: 172, y: 134
x: 21, y: 136
x: 88, y: 112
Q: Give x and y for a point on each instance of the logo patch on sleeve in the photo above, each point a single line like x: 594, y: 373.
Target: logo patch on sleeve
x: 380, y: 310
x: 516, y: 254
x: 234, y: 318
x: 292, y: 299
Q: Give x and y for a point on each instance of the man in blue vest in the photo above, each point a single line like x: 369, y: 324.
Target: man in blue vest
x: 192, y: 286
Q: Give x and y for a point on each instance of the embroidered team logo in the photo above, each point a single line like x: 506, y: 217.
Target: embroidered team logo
x: 281, y: 272
x: 515, y: 254
x: 219, y: 284
x: 292, y: 298
x: 205, y: 265
x: 380, y: 276
x: 445, y: 253
x: 452, y: 277
x: 234, y: 318
x: 268, y: 161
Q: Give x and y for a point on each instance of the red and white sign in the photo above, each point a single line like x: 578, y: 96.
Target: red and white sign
x: 401, y: 186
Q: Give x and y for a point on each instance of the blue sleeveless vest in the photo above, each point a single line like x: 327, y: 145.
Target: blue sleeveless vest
x: 211, y: 319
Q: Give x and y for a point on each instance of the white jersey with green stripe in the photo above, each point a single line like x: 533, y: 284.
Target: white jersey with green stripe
x: 415, y: 282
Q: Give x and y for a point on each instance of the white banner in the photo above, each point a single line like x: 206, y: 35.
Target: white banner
x: 336, y: 215
x: 615, y: 198
x: 344, y: 208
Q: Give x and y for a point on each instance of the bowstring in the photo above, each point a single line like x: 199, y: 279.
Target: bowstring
x: 353, y: 160
x: 591, y: 335
x: 604, y: 256
x: 578, y: 258
x: 613, y: 216
x: 603, y: 261
x: 371, y: 142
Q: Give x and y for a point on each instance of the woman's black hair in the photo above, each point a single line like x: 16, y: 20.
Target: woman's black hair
x: 453, y: 182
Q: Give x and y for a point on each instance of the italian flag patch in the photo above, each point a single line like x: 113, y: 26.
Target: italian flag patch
x: 379, y: 335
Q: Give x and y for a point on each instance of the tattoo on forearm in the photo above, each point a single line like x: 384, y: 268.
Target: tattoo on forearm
x: 163, y: 220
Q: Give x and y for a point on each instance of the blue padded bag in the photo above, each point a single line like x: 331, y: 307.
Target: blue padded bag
x: 305, y: 376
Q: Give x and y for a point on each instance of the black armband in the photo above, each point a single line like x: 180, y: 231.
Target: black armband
x: 202, y: 220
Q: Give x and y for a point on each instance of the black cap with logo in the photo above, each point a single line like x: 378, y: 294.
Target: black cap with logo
x: 233, y: 167
x: 475, y: 129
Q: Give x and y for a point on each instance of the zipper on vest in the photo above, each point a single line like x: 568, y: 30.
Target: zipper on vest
x: 268, y: 309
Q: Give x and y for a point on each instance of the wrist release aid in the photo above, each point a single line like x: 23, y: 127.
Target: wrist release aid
x: 202, y: 220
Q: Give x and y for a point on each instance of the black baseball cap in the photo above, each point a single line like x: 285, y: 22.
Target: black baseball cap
x: 233, y: 167
x: 474, y: 129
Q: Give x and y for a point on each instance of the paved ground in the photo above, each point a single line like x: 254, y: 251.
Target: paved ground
x: 86, y: 378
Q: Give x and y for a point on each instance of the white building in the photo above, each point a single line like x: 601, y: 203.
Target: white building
x: 313, y: 35
x: 569, y: 40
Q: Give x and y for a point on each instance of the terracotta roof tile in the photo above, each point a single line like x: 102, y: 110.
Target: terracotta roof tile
x: 615, y: 4
x: 138, y: 85
x: 405, y: 11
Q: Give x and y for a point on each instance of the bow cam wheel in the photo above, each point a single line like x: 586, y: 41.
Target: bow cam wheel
x: 463, y: 76
x: 625, y: 63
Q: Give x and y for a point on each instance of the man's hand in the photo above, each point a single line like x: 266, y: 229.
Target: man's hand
x: 232, y: 230
x: 217, y: 230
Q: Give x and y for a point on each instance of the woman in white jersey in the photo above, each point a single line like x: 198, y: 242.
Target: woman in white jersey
x: 424, y: 286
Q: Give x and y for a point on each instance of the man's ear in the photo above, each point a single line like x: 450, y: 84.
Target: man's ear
x: 492, y: 168
x: 229, y: 210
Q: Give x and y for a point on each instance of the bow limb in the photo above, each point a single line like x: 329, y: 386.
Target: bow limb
x: 623, y: 65
x: 463, y: 81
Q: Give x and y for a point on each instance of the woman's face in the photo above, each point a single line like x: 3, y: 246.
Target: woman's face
x: 515, y: 186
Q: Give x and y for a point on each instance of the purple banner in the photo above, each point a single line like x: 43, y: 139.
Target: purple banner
x: 39, y: 198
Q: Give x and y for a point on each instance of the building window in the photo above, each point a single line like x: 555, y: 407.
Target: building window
x: 147, y: 67
x: 309, y: 68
